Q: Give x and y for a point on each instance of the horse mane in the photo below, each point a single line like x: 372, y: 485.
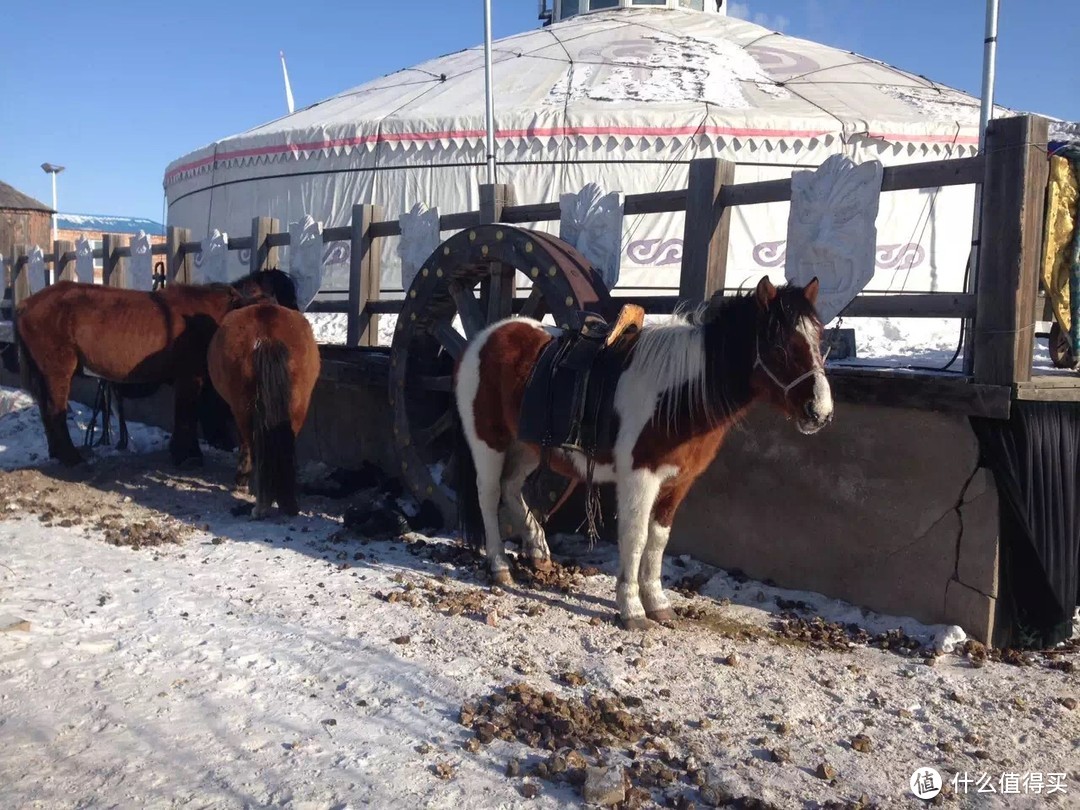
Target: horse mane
x: 703, y: 358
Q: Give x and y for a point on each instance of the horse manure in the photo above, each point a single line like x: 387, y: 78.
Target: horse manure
x: 861, y: 743
x: 401, y: 640
x: 530, y: 790
x: 444, y: 770
x: 825, y: 771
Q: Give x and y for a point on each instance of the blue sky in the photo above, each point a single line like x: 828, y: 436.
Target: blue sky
x: 116, y: 104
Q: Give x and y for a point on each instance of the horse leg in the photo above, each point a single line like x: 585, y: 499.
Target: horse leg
x: 636, y: 493
x: 520, y: 464
x: 54, y: 413
x: 122, y: 443
x: 243, y: 460
x: 184, y: 444
x: 489, y: 469
x: 657, y: 606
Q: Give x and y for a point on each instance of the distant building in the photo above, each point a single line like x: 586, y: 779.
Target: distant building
x: 93, y: 226
x: 23, y: 221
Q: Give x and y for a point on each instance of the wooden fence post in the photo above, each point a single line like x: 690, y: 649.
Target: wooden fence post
x: 113, y: 266
x: 497, y: 294
x: 1013, y: 201
x: 263, y: 256
x: 20, y: 275
x: 364, y: 277
x: 63, y: 260
x: 177, y: 263
x: 705, y: 232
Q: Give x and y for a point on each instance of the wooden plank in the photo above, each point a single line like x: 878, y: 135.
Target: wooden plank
x: 278, y: 240
x: 920, y: 305
x: 538, y: 212
x: 191, y: 246
x: 158, y: 249
x: 64, y: 266
x: 240, y: 243
x: 922, y: 392
x: 388, y: 228
x: 113, y: 264
x: 456, y: 222
x: 20, y: 278
x: 177, y: 261
x: 1013, y: 199
x: 364, y: 277
x: 263, y: 256
x: 1056, y: 388
x: 493, y: 199
x: 657, y: 202
x: 340, y: 234
x: 705, y: 232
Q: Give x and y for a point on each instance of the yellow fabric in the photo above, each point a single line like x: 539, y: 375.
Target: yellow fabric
x: 1062, y: 195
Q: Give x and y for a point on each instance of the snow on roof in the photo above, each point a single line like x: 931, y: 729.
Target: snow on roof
x: 109, y: 224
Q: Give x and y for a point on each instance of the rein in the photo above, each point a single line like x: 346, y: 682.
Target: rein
x: 786, y: 389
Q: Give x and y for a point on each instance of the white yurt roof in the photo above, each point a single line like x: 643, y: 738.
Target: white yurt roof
x: 638, y: 79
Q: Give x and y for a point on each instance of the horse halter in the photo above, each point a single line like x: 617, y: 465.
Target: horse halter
x: 786, y: 389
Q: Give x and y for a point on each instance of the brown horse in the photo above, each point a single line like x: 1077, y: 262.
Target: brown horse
x: 128, y: 337
x: 264, y: 361
x: 682, y: 387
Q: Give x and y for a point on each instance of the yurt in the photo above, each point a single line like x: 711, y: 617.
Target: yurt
x: 622, y: 93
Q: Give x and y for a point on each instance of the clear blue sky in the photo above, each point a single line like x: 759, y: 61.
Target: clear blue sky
x: 115, y: 90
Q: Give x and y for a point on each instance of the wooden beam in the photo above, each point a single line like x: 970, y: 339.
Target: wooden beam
x: 929, y: 392
x: 177, y: 261
x: 64, y: 262
x: 921, y: 305
x: 705, y: 233
x: 1050, y: 388
x: 493, y: 199
x: 364, y: 277
x: 113, y: 265
x: 20, y: 276
x: 263, y: 255
x: 1013, y: 200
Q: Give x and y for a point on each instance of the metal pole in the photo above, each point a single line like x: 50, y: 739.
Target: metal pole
x: 55, y: 209
x: 986, y: 112
x: 489, y: 94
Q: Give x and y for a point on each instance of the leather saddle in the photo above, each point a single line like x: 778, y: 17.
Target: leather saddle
x: 570, y: 394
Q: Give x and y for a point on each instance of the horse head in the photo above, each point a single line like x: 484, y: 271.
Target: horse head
x: 789, y: 370
x: 276, y: 285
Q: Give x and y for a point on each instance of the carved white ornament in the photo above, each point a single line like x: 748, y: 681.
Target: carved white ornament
x: 420, y: 236
x: 592, y: 222
x: 140, y: 274
x: 213, y: 267
x: 35, y: 268
x: 84, y: 260
x: 306, y: 259
x: 831, y: 232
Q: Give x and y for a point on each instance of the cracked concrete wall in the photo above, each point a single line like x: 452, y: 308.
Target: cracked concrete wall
x: 885, y: 508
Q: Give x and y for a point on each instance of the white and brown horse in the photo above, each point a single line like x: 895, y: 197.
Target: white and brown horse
x: 685, y: 383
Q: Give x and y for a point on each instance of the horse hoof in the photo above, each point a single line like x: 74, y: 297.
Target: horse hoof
x: 502, y: 578
x: 543, y: 564
x: 662, y: 615
x: 637, y: 623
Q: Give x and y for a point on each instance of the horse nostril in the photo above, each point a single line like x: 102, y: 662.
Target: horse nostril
x: 810, y: 411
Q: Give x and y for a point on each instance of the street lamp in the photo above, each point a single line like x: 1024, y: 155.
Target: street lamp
x: 53, y: 170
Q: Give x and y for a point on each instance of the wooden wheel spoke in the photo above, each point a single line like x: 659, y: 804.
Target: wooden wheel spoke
x: 534, y: 304
x: 450, y: 338
x: 434, y: 382
x: 472, y: 316
x: 444, y: 423
x: 500, y: 297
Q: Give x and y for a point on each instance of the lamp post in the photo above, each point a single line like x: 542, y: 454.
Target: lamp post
x: 49, y: 168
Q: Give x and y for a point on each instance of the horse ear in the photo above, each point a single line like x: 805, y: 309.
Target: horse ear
x: 811, y: 291
x: 765, y: 292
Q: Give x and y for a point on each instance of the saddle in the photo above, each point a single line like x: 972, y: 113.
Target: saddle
x: 569, y: 397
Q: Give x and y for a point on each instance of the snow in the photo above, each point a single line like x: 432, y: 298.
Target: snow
x: 258, y: 663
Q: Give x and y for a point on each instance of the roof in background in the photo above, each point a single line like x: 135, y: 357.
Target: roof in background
x: 11, y: 197
x: 109, y: 224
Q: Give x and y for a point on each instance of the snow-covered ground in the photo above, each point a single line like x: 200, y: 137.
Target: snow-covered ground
x: 157, y: 651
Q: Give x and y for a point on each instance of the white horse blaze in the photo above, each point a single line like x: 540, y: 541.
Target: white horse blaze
x: 823, y: 402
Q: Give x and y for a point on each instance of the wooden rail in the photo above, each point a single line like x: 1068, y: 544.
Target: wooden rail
x: 1002, y: 307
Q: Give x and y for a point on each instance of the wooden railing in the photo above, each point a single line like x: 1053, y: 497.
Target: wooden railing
x: 1001, y: 307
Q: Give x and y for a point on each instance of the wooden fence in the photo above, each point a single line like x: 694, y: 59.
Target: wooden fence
x: 1000, y: 306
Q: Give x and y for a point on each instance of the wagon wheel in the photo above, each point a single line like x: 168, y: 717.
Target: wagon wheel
x: 471, y: 277
x: 1061, y: 353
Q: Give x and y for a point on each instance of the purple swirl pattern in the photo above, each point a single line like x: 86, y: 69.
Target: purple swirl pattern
x: 244, y: 256
x: 337, y: 253
x: 889, y: 257
x: 781, y: 64
x: 770, y: 254
x: 655, y: 251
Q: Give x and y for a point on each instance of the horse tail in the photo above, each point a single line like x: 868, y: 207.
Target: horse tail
x: 273, y: 442
x: 470, y: 518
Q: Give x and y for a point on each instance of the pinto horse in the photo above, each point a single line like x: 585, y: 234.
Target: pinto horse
x: 129, y: 337
x: 264, y: 361
x: 683, y: 386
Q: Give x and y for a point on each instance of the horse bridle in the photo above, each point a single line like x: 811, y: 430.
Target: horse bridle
x: 786, y: 389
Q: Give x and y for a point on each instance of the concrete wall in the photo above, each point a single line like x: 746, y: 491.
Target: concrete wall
x: 886, y: 508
